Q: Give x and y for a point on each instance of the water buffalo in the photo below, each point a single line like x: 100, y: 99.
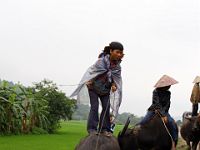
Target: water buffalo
x: 95, y: 142
x: 190, y: 130
x: 151, y: 136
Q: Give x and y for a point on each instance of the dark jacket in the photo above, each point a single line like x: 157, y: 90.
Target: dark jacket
x: 160, y: 101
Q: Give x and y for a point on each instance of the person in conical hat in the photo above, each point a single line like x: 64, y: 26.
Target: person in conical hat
x: 164, y: 81
x: 195, y: 96
x: 161, y: 103
x: 197, y: 79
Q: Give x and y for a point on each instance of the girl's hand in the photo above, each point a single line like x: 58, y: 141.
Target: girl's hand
x: 89, y: 83
x: 113, y: 88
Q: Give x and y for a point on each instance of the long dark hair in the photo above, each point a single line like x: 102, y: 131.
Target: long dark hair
x: 112, y: 46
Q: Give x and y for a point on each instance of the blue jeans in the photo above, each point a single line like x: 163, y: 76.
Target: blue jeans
x: 147, y: 117
x: 171, y: 123
x: 93, y: 118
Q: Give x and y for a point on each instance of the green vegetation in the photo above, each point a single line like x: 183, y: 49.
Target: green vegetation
x: 35, y: 109
x: 65, y: 138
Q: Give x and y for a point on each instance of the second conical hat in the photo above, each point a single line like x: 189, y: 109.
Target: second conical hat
x: 197, y: 79
x: 165, y: 81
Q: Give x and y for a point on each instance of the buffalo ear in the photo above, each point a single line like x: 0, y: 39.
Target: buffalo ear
x: 188, y: 118
x: 120, y: 133
x: 125, y: 127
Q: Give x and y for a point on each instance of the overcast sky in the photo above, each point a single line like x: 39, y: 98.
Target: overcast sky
x: 60, y: 39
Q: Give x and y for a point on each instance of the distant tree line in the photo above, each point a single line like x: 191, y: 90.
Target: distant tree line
x: 82, y: 112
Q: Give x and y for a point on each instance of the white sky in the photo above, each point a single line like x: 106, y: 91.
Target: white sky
x: 60, y: 39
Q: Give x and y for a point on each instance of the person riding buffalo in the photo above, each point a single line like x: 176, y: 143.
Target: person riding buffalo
x: 161, y: 104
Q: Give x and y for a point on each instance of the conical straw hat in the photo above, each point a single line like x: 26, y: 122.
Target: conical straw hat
x: 197, y: 79
x: 165, y: 81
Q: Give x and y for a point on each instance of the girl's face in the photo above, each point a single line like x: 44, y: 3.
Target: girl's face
x: 116, y: 54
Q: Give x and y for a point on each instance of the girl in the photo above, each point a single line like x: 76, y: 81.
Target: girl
x: 102, y: 79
